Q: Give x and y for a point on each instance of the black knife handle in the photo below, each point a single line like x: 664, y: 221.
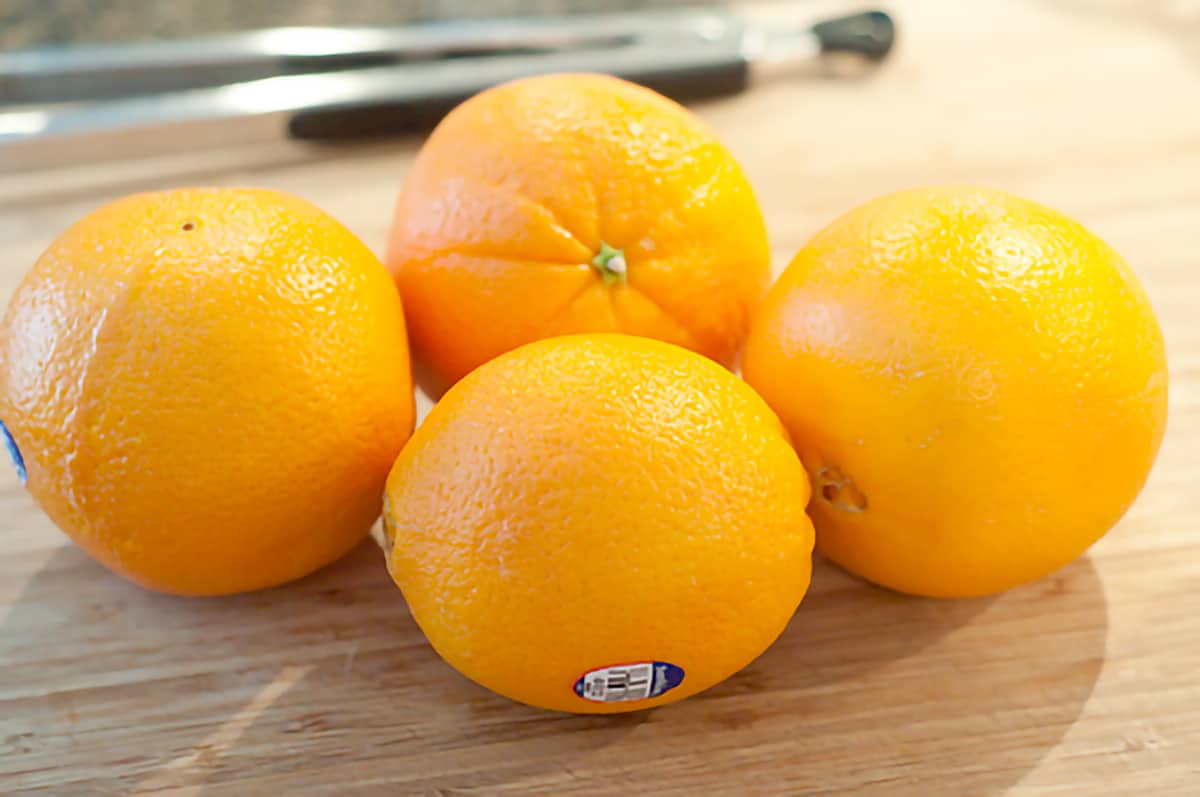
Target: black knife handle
x: 377, y: 120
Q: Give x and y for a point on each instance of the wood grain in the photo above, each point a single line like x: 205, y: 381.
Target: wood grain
x: 1083, y: 683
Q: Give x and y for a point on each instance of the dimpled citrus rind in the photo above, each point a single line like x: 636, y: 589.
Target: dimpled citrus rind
x: 976, y: 383
x: 208, y: 387
x: 590, y: 501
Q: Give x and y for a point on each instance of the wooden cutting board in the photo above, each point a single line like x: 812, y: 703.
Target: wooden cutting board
x: 1085, y: 683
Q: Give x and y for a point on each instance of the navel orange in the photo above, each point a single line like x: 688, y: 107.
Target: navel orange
x: 574, y: 203
x: 206, y: 388
x: 599, y: 523
x: 976, y: 383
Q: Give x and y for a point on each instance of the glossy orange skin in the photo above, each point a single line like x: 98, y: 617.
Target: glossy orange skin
x: 208, y: 387
x: 515, y: 192
x: 977, y: 384
x: 588, y: 501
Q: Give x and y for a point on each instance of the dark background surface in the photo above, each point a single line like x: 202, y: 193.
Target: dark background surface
x: 27, y: 23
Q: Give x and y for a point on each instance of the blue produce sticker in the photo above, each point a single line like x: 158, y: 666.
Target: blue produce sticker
x: 14, y: 453
x: 618, y: 683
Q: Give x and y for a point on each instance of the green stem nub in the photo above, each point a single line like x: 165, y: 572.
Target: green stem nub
x: 610, y: 262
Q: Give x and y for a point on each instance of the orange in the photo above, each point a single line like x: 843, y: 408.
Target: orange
x: 574, y: 203
x: 599, y: 523
x: 207, y: 387
x: 976, y: 383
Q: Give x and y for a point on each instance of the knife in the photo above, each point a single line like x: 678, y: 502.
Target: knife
x: 60, y: 106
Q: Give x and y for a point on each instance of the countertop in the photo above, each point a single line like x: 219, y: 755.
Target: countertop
x: 1084, y: 683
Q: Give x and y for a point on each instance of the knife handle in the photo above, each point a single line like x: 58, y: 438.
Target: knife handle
x: 691, y: 71
x: 716, y: 78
